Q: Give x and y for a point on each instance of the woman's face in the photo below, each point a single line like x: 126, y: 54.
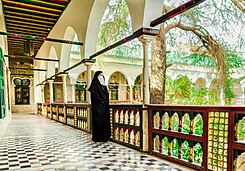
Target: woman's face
x: 101, y: 74
x: 101, y: 79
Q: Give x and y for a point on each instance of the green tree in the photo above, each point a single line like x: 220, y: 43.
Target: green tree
x: 200, y: 41
x: 116, y: 25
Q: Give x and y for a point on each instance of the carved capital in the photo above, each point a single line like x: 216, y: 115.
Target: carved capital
x: 88, y: 62
x: 50, y: 81
x: 145, y: 39
x: 63, y: 77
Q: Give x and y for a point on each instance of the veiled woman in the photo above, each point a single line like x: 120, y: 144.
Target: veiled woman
x: 101, y: 128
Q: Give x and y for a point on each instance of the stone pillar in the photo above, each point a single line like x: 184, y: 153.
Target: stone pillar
x: 88, y: 64
x: 131, y: 94
x: 42, y: 97
x: 145, y: 40
x: 64, y: 87
x: 73, y: 97
x: 51, y: 92
x: 42, y: 94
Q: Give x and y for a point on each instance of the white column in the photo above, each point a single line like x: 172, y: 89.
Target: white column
x: 88, y: 64
x: 145, y: 40
x: 73, y: 93
x: 89, y: 74
x: 42, y: 94
x: 64, y: 87
x: 51, y: 92
x: 131, y: 94
x: 42, y: 97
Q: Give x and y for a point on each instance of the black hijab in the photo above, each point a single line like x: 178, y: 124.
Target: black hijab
x: 96, y: 87
x: 95, y: 82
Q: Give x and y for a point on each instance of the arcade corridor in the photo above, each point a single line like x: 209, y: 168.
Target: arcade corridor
x: 33, y: 142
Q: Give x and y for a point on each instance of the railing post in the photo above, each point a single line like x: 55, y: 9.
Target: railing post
x: 205, y: 143
x: 231, y: 125
x: 51, y: 111
x: 46, y: 110
x: 149, y: 130
x: 89, y: 118
x: 57, y: 112
x: 75, y: 116
x: 145, y: 128
x: 65, y: 121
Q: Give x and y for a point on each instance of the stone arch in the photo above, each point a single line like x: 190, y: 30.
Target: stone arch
x: 93, y: 27
x: 91, y: 13
x: 52, y: 65
x: 94, y: 23
x: 200, y: 82
x: 82, y: 86
x: 141, y: 13
x: 138, y: 80
x: 119, y: 87
x: 66, y: 48
x: 118, y: 72
x: 175, y: 77
x: 138, y: 88
x: 82, y: 77
x: 144, y: 11
x: 213, y: 85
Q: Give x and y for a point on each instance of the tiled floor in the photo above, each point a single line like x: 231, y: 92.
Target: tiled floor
x: 36, y: 143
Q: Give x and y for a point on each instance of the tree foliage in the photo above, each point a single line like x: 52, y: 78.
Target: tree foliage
x: 116, y: 25
x: 211, y: 34
x: 196, y: 36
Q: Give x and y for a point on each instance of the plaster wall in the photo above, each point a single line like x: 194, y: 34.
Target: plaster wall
x: 3, y: 44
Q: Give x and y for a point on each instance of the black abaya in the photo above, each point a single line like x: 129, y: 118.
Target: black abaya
x: 101, y: 128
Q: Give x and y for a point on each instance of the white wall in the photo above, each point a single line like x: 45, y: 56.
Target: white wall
x: 3, y: 44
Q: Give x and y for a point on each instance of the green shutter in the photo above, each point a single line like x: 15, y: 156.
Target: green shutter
x: 2, y: 104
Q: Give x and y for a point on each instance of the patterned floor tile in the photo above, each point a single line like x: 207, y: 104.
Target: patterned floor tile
x: 34, y: 143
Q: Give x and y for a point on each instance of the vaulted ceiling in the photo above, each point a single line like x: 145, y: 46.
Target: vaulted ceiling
x: 30, y: 17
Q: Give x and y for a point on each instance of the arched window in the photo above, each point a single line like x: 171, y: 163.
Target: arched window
x: 113, y: 87
x: 81, y: 91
